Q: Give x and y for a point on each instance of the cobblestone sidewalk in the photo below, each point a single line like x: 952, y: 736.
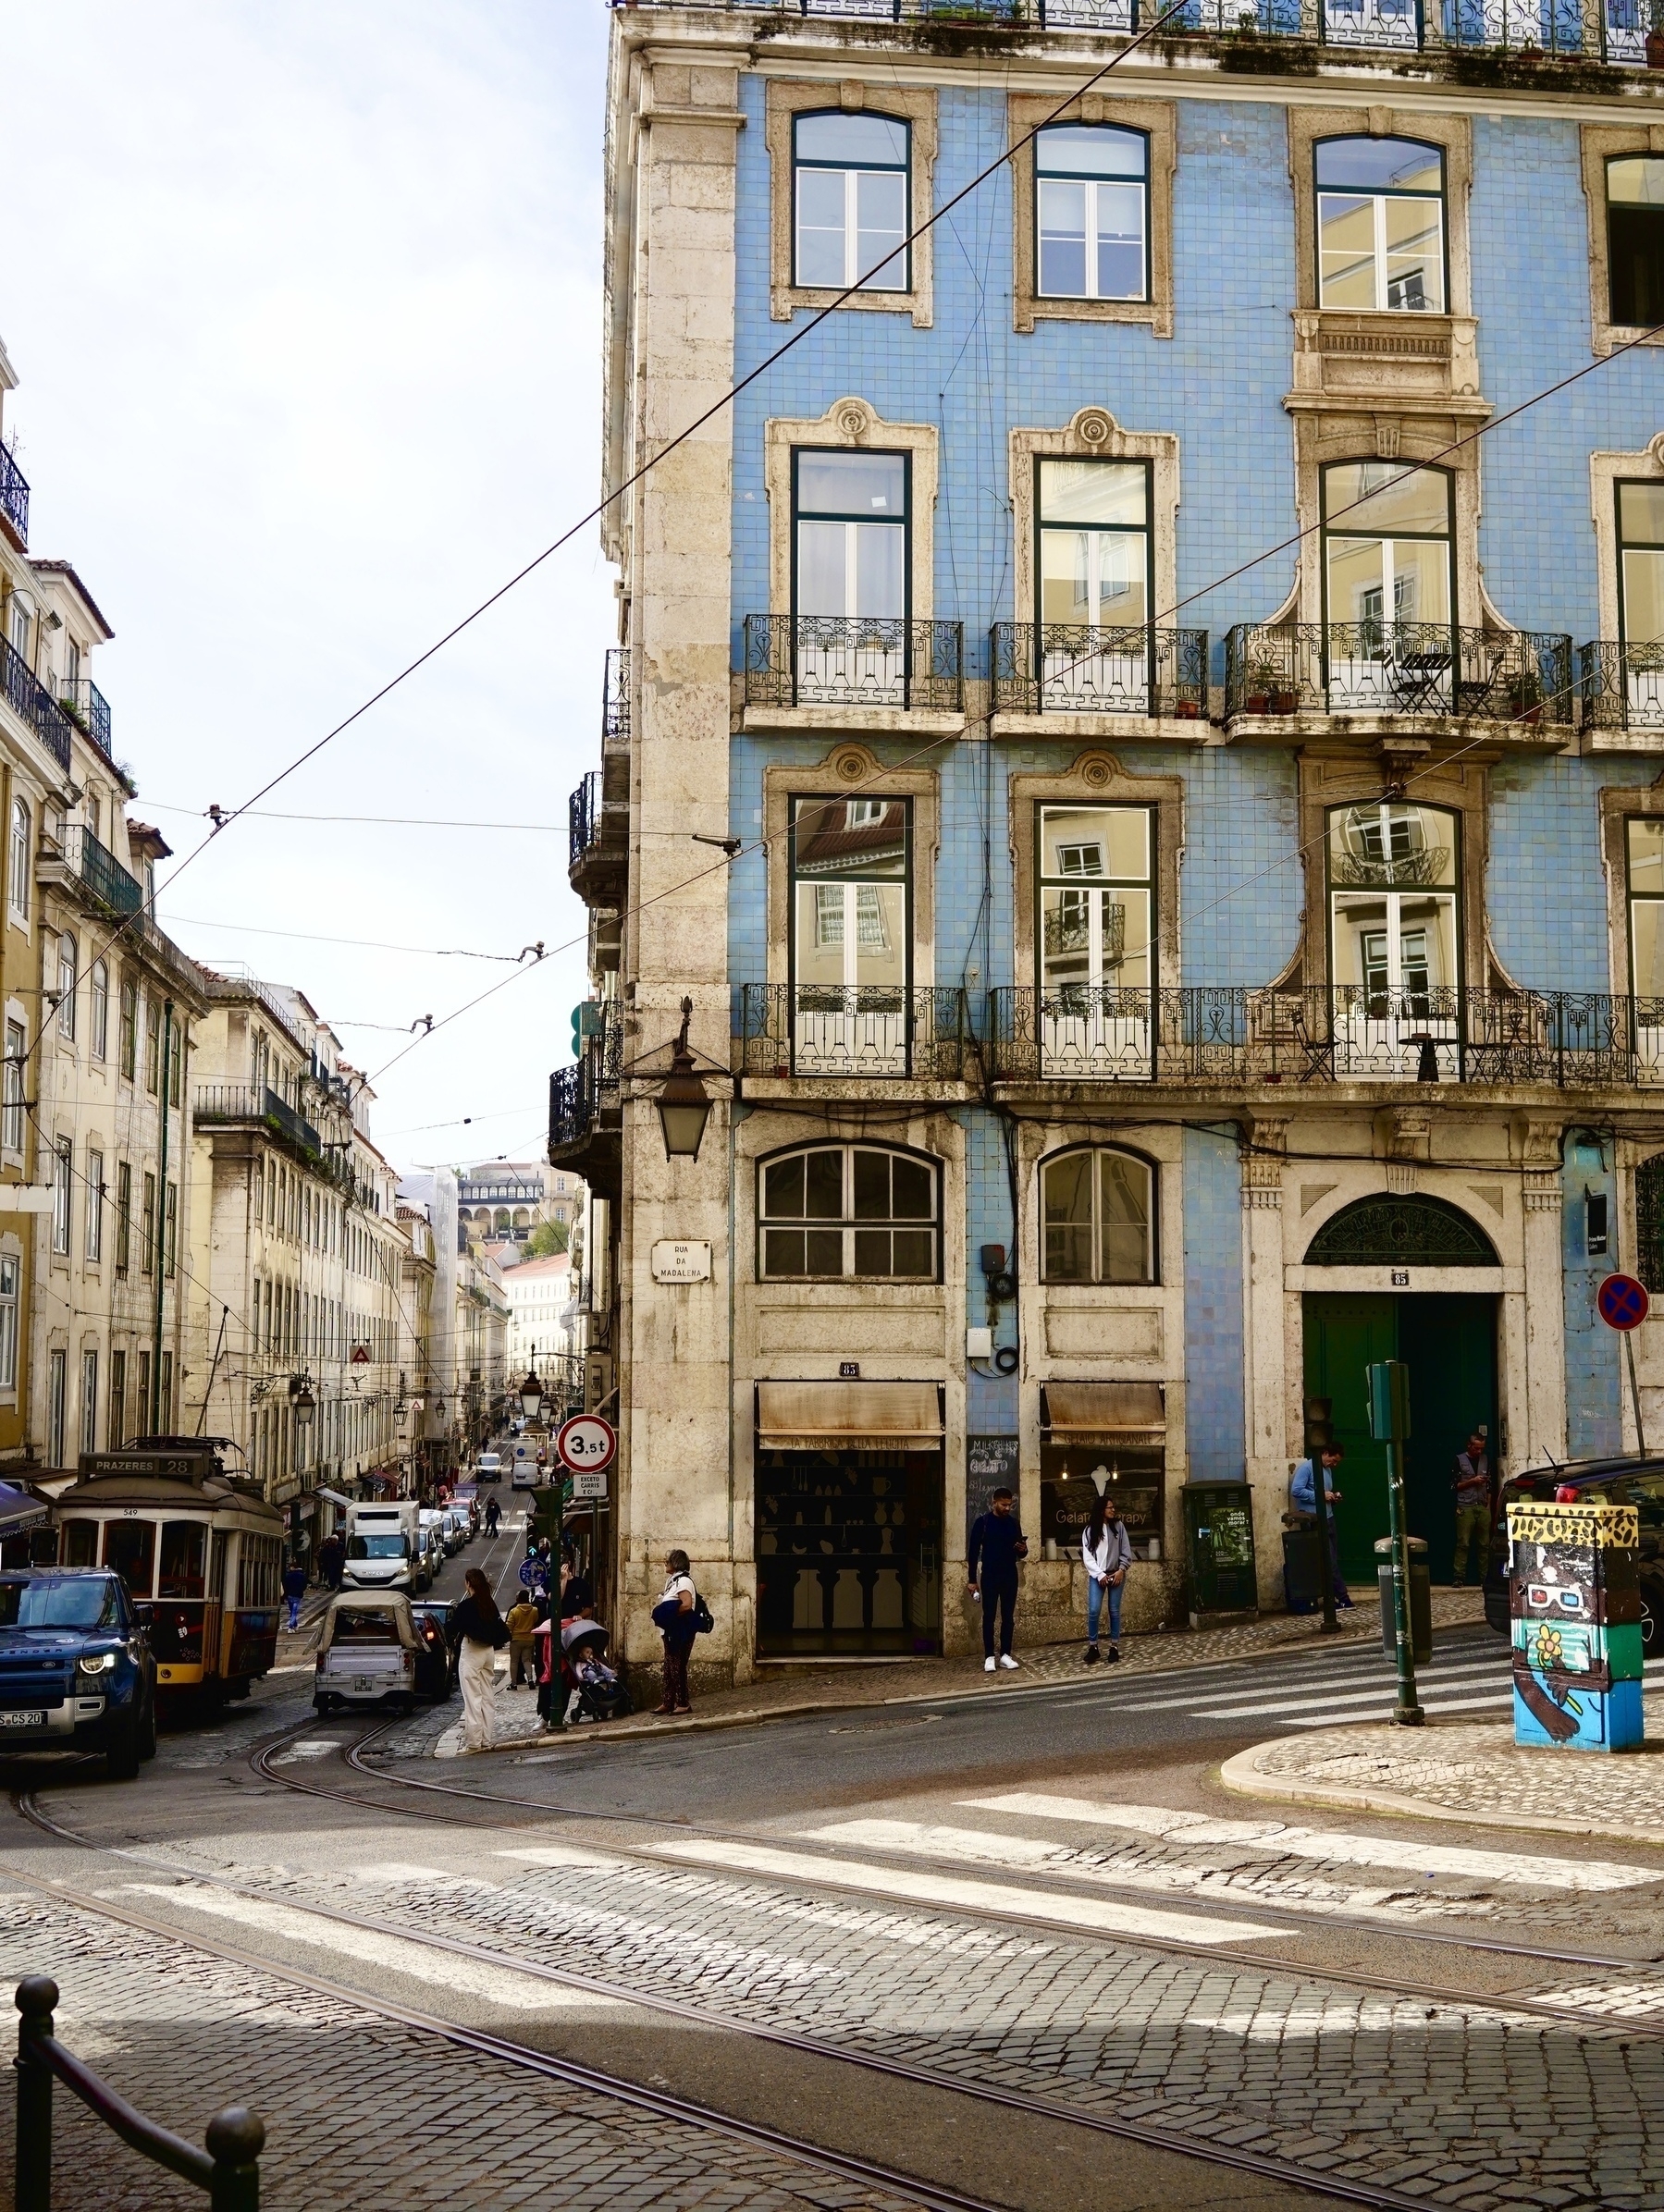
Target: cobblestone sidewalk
x: 780, y: 1691
x: 361, y: 2112
x: 1472, y: 1769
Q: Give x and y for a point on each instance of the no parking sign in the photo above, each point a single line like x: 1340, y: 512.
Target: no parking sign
x: 1623, y: 1302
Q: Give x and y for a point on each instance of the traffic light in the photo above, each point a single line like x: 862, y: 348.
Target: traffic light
x: 1320, y: 1425
x: 585, y: 1022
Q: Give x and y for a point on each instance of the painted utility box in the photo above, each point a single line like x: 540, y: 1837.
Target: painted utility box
x: 1575, y: 1605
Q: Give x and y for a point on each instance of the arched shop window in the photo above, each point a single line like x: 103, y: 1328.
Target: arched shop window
x: 838, y: 1211
x: 1098, y: 1217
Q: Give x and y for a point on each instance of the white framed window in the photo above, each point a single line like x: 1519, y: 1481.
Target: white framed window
x: 94, y: 1236
x: 1394, y: 926
x: 1092, y: 193
x: 21, y: 853
x: 848, y: 1210
x: 89, y: 1401
x: 11, y: 1098
x: 1635, y: 240
x: 57, y: 1381
x: 65, y: 984
x: 99, y: 1009
x: 1098, y: 1216
x: 1381, y: 224
x: 849, y: 198
x: 11, y: 1270
x: 851, y: 533
x: 63, y: 1169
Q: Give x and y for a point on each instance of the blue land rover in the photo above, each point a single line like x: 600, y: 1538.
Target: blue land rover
x: 76, y: 1670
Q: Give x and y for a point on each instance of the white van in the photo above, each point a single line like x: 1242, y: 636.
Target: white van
x: 381, y: 1546
x: 488, y: 1468
x: 525, y: 1475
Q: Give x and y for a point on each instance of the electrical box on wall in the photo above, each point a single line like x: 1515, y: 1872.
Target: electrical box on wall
x: 978, y: 1344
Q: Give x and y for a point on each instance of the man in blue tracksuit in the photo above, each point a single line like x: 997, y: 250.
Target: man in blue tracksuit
x: 997, y: 1542
x: 1303, y: 1497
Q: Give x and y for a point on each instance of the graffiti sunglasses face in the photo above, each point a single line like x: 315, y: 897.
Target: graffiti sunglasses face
x: 1541, y: 1598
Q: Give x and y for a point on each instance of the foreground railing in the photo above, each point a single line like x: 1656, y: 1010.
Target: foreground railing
x: 1326, y: 1033
x: 1622, y: 687
x: 859, y: 1030
x: 854, y: 660
x: 1072, y: 668
x: 1397, y: 668
x: 34, y: 703
x: 1532, y: 30
x: 229, y: 2171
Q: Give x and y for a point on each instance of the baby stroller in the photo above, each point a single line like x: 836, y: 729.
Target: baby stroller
x: 593, y: 1689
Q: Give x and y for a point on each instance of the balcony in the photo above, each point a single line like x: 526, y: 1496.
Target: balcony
x: 853, y: 661
x: 103, y: 877
x: 615, y: 699
x: 87, y: 707
x: 1573, y: 1040
x: 14, y: 495
x: 1069, y: 668
x: 1529, y: 30
x: 597, y: 817
x: 584, y: 1098
x: 1621, y: 688
x: 1425, y: 670
x: 34, y: 704
x: 220, y: 1104
x: 864, y: 1029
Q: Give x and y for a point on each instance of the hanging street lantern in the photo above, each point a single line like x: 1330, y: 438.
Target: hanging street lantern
x: 684, y: 1108
x: 531, y: 1396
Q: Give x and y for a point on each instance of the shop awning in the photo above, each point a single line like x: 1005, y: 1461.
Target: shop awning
x: 19, y: 1511
x: 1103, y: 1412
x: 819, y: 1416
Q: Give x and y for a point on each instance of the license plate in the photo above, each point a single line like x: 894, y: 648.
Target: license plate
x: 365, y: 1685
x: 22, y: 1720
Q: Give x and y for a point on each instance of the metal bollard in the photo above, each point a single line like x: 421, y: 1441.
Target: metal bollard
x: 236, y: 2138
x: 36, y: 1998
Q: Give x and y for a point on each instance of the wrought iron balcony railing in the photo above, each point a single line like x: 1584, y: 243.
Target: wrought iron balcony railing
x: 1323, y: 1033
x: 104, y: 877
x: 580, y: 1096
x: 257, y: 1102
x: 861, y: 1029
x: 615, y: 699
x: 1427, y: 669
x: 13, y: 494
x: 1069, y: 668
x: 854, y: 660
x: 87, y: 707
x: 1612, y: 31
x: 34, y: 704
x: 584, y: 819
x: 1622, y: 687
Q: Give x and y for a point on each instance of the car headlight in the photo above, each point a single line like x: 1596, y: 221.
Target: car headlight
x: 95, y: 1662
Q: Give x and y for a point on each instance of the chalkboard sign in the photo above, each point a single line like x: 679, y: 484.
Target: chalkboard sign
x: 991, y: 1463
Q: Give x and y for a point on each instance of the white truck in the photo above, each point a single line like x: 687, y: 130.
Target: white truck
x: 381, y: 1545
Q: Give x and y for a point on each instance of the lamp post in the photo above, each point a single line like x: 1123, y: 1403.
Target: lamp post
x: 304, y: 1406
x: 684, y: 1107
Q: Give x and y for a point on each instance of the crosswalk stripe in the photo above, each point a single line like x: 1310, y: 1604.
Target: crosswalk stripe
x: 1332, y: 1706
x: 1109, y: 1918
x: 1218, y: 1702
x: 1486, y: 1703
x: 1283, y: 1841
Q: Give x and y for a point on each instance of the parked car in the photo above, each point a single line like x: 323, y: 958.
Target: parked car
x: 76, y: 1669
x: 456, y: 1528
x: 436, y: 1662
x: 488, y: 1468
x: 1631, y: 1480
x: 373, y: 1652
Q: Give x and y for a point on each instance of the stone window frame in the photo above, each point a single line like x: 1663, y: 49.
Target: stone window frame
x: 1328, y: 780
x: 1093, y: 434
x: 1322, y: 438
x: 1600, y: 144
x: 1097, y: 1141
x: 1158, y: 120
x: 785, y: 99
x: 851, y: 424
x: 1096, y: 778
x: 1607, y: 471
x: 1452, y: 133
x: 1620, y: 802
x: 852, y: 769
x: 874, y: 1141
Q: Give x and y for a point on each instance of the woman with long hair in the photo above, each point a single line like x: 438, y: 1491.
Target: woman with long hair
x: 478, y: 1632
x: 1106, y: 1553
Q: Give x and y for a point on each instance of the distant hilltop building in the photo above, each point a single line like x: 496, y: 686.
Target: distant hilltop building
x: 508, y: 1200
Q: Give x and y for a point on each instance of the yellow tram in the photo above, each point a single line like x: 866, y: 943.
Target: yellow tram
x: 202, y: 1551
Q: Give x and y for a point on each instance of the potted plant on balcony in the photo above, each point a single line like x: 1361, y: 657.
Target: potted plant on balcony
x: 1264, y: 681
x: 1525, y: 696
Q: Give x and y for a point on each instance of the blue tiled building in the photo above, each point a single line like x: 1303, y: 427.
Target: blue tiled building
x: 1137, y: 729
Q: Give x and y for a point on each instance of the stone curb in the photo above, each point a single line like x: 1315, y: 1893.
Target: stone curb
x: 1244, y: 1775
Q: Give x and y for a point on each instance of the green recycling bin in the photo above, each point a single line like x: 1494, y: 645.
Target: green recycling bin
x: 1220, y: 1551
x: 1421, y: 1598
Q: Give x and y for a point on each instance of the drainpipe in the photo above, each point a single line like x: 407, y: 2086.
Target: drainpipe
x: 160, y: 1247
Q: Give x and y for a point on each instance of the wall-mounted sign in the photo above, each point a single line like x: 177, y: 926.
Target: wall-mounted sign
x: 585, y: 1444
x: 849, y: 1370
x: 675, y: 1259
x: 589, y: 1484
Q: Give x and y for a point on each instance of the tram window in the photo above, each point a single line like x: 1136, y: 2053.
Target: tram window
x: 258, y: 1570
x: 183, y: 1546
x: 130, y: 1547
x: 216, y: 1578
x: 80, y: 1543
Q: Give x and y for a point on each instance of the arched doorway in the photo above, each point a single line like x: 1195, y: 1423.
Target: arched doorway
x: 1446, y: 1338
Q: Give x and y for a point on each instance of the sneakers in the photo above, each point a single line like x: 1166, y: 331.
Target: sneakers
x: 987, y: 1667
x: 1113, y: 1652
x: 1092, y: 1654
x: 1006, y: 1660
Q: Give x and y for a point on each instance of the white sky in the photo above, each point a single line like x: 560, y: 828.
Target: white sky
x: 304, y: 300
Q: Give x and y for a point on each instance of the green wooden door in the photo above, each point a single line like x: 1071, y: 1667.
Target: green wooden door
x: 1449, y: 1346
x: 1345, y: 1335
